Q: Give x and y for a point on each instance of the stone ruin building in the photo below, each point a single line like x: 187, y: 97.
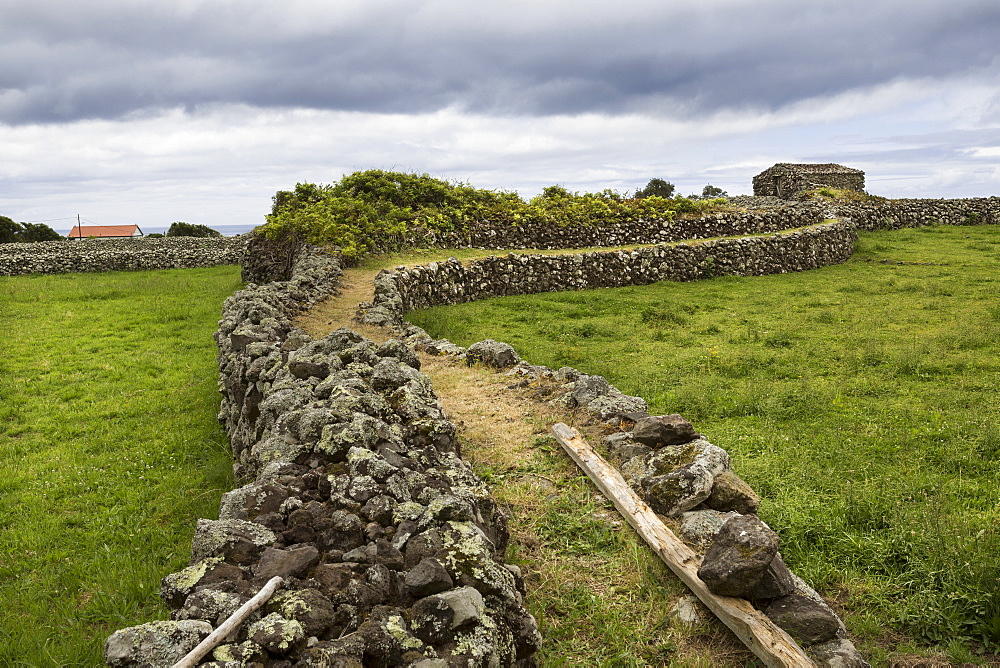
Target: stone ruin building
x: 786, y: 179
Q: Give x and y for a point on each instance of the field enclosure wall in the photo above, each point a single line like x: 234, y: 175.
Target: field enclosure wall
x: 58, y: 257
x: 390, y: 547
x: 355, y: 492
x: 779, y: 216
x: 761, y: 215
x: 900, y: 213
x: 402, y: 290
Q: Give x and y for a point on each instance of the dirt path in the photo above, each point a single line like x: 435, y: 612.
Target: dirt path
x: 589, y: 603
x: 499, y: 425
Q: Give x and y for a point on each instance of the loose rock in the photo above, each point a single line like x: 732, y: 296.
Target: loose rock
x: 739, y: 556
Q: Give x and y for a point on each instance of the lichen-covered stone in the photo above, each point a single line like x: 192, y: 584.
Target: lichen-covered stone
x: 210, y: 605
x: 736, y: 560
x: 241, y: 654
x: 176, y: 587
x: 681, y: 489
x: 277, y: 634
x: 89, y: 255
x: 155, y: 643
x: 614, y: 404
x: 699, y: 527
x: 732, y: 493
x: 838, y: 653
x: 310, y: 607
x: 362, y: 431
x: 396, y: 348
x: 659, y: 430
x: 251, y: 500
x: 236, y: 541
x: 622, y: 446
x: 492, y: 353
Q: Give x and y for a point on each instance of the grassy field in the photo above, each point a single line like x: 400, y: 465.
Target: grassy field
x: 109, y: 451
x: 859, y: 400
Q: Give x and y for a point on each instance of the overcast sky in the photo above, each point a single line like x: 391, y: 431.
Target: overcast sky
x: 199, y: 110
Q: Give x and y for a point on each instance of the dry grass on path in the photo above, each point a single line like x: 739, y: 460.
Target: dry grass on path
x: 600, y: 596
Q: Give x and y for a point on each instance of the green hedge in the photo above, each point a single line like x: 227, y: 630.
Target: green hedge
x: 379, y: 211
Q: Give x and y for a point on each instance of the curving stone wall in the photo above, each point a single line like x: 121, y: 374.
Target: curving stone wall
x: 400, y: 291
x: 58, y: 257
x: 391, y: 549
x: 389, y: 546
x: 756, y: 215
x: 680, y: 474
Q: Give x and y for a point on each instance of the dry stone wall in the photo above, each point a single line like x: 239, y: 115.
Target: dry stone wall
x: 58, y: 257
x: 389, y: 546
x: 780, y: 216
x: 758, y: 215
x: 900, y: 213
x: 402, y: 290
x: 680, y: 474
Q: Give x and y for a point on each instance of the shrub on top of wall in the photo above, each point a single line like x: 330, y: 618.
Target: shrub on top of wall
x: 379, y: 211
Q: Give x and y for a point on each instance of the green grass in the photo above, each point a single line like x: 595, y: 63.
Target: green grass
x: 859, y: 400
x: 109, y: 451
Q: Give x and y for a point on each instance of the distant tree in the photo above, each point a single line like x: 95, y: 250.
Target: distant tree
x: 22, y: 233
x: 182, y: 229
x: 657, y: 187
x: 154, y: 235
x: 711, y: 191
x: 8, y: 230
x: 38, y: 232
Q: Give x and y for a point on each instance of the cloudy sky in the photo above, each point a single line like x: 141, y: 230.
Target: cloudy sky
x: 199, y: 110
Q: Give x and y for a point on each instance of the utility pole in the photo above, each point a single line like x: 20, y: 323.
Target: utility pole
x: 79, y: 230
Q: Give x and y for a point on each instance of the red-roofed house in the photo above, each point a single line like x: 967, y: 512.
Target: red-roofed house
x: 105, y: 232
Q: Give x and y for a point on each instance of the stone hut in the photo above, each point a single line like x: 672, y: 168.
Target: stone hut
x: 786, y: 178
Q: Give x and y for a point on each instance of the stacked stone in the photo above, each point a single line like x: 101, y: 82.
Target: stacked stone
x: 903, y: 213
x: 780, y: 216
x: 57, y: 257
x: 389, y: 546
x: 680, y: 474
x: 450, y: 282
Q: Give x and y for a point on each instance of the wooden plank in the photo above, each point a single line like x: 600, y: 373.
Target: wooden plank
x: 231, y: 624
x: 766, y: 640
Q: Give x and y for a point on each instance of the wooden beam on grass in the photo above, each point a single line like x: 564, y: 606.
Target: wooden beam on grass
x: 766, y: 640
x: 231, y: 624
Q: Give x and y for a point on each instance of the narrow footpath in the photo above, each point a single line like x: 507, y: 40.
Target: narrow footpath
x: 592, y: 606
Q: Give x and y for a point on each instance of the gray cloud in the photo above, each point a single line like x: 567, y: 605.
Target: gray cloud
x: 108, y: 60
